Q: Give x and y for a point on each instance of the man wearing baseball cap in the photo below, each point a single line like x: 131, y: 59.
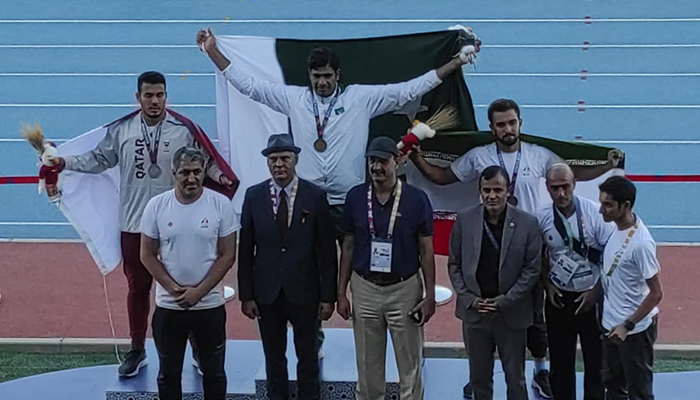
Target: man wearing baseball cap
x: 387, y: 257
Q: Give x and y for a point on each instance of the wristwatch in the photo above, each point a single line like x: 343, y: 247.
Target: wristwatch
x: 629, y: 325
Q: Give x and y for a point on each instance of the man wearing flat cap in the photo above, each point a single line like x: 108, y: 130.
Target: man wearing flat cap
x: 288, y: 267
x: 387, y: 257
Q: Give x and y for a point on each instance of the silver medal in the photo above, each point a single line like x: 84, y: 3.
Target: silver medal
x: 154, y: 171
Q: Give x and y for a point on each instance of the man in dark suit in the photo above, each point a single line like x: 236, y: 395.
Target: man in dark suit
x: 494, y: 262
x: 288, y: 267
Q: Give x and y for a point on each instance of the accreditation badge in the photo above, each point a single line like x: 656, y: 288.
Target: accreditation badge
x: 381, y: 256
x: 563, y: 270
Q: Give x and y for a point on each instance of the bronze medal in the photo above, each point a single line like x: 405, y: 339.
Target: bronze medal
x: 513, y: 201
x: 320, y: 145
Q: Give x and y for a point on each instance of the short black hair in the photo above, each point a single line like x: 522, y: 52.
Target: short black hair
x: 502, y: 105
x: 620, y: 189
x: 492, y: 172
x: 322, y: 56
x: 152, y: 78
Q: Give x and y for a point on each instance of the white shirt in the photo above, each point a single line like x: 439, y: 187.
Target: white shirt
x: 534, y: 162
x: 626, y: 288
x: 596, y: 232
x: 188, y: 235
x: 342, y: 165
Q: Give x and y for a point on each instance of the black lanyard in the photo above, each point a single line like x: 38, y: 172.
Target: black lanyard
x: 579, y: 246
x: 492, y: 238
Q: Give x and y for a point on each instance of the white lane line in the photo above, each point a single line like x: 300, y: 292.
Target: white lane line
x: 474, y: 74
x: 493, y: 46
x: 342, y: 21
x: 545, y: 106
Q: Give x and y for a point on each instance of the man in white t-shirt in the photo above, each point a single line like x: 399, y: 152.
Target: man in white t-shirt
x: 527, y: 165
x: 632, y: 291
x: 574, y: 234
x: 188, y: 244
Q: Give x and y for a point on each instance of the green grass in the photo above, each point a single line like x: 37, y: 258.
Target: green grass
x: 17, y: 365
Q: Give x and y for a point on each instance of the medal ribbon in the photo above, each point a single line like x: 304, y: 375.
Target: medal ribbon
x: 320, y: 128
x: 515, y: 168
x: 152, y: 152
x: 394, y: 211
x: 290, y: 205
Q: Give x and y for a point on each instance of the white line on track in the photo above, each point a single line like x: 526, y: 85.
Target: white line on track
x: 474, y: 74
x: 544, y: 106
x: 343, y: 21
x: 493, y: 46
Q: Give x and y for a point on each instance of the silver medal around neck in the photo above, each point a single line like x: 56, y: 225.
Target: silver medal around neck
x: 154, y: 171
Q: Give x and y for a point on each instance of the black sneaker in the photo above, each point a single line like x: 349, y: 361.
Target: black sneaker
x: 541, y: 383
x: 133, y: 362
x: 467, y: 391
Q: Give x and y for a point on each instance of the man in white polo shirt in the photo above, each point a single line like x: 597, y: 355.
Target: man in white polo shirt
x: 188, y: 244
x: 574, y: 234
x: 632, y: 291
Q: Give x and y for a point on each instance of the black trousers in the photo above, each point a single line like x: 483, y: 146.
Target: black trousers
x: 483, y: 339
x: 170, y: 331
x: 273, y: 331
x: 563, y: 328
x: 628, y: 366
x: 537, y: 332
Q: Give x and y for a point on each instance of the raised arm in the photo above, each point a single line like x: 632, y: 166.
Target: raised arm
x: 98, y: 160
x: 262, y: 91
x: 435, y: 174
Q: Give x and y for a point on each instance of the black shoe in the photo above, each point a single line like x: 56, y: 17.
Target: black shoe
x: 133, y: 362
x: 541, y: 383
x: 467, y: 391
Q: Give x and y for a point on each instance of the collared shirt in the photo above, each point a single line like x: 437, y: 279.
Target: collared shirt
x: 490, y: 258
x: 287, y: 189
x: 342, y: 165
x: 123, y: 146
x: 413, y: 220
x: 534, y: 162
x: 596, y: 232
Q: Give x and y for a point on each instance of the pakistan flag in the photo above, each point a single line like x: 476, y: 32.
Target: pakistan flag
x: 244, y: 125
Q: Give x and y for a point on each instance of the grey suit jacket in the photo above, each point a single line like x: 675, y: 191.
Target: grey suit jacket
x: 519, y: 270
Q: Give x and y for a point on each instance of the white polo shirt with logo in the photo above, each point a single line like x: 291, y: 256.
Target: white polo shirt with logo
x: 188, y: 235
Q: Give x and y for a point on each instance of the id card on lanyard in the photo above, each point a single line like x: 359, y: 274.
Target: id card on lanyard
x: 566, y: 264
x: 380, y: 256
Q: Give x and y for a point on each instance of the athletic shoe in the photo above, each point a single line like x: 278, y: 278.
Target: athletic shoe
x: 133, y: 362
x: 541, y: 383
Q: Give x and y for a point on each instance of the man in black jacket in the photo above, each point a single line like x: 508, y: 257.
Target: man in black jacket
x: 288, y: 267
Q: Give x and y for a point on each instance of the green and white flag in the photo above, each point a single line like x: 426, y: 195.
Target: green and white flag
x: 244, y: 125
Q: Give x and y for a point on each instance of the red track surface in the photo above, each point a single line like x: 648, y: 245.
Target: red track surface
x: 55, y: 290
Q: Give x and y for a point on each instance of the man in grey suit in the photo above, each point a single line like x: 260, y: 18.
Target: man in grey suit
x: 494, y: 262
x: 288, y: 267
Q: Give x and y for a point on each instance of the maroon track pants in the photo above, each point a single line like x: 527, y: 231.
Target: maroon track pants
x: 138, y: 299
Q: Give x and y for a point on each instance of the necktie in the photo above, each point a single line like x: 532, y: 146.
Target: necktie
x: 282, y: 216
